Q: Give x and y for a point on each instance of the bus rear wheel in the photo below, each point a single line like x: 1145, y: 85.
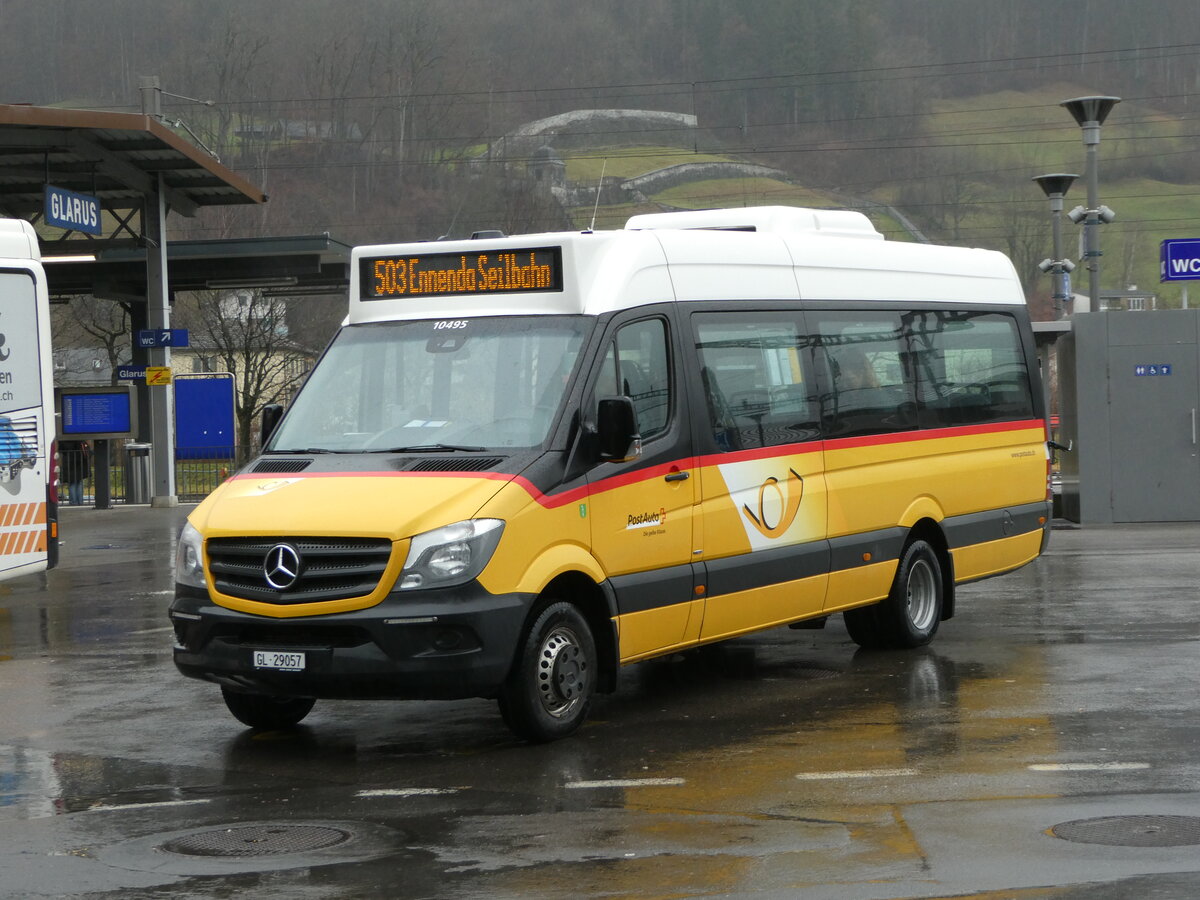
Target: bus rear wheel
x: 550, y: 687
x: 910, y: 614
x: 264, y: 711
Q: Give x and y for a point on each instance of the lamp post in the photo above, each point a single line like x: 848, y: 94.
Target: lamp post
x: 1089, y: 113
x: 1055, y: 188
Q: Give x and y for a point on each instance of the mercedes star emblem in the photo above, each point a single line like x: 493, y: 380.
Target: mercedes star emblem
x: 281, y: 566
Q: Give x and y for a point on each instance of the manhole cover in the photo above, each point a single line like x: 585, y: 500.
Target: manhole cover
x: 257, y: 840
x: 1132, y: 831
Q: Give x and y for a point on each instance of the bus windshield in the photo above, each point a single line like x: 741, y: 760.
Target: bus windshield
x: 435, y: 386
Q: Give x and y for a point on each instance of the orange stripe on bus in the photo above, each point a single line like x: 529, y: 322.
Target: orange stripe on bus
x: 6, y: 515
x: 39, y: 517
x: 17, y: 542
x: 30, y: 513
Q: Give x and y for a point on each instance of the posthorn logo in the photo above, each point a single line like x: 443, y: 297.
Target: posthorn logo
x: 778, y: 503
x: 281, y: 566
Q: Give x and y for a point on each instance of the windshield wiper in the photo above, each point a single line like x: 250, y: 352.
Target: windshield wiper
x: 432, y: 448
x: 310, y: 450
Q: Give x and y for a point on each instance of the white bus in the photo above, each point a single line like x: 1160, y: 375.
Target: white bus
x: 28, y: 470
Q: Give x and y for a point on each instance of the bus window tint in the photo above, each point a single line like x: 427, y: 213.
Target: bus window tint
x: 970, y: 369
x: 756, y: 371
x: 866, y: 360
x: 637, y: 366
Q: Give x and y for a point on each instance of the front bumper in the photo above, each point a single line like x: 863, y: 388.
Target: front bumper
x: 445, y: 644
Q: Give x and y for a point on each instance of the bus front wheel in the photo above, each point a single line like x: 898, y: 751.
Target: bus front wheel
x: 550, y: 687
x: 910, y: 614
x: 263, y: 711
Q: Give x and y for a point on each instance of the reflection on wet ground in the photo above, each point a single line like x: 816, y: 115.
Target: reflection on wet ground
x: 783, y: 763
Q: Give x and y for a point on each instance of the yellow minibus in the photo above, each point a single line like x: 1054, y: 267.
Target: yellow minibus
x: 524, y: 462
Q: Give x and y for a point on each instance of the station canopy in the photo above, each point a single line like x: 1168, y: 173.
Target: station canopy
x: 123, y: 160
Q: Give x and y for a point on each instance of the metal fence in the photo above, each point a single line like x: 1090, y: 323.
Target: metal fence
x: 197, y: 474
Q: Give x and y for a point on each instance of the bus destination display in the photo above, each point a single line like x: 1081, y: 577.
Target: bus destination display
x: 434, y: 274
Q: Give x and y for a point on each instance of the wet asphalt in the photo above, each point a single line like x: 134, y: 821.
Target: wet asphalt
x: 1047, y: 745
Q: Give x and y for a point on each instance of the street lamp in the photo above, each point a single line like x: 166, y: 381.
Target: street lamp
x: 1055, y: 187
x: 1089, y: 113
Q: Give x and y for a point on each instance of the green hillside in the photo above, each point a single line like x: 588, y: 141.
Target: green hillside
x: 968, y: 180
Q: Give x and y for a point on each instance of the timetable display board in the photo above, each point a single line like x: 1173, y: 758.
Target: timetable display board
x: 96, y: 413
x: 525, y: 270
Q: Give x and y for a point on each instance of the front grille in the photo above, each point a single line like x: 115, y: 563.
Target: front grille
x: 330, y: 568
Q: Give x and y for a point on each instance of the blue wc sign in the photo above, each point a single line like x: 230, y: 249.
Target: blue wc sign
x: 75, y: 212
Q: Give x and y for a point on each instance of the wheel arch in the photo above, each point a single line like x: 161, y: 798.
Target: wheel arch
x: 598, y: 606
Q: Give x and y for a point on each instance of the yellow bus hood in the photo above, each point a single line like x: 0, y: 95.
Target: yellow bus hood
x: 368, y: 504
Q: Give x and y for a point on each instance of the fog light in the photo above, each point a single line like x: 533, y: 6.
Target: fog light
x: 447, y: 639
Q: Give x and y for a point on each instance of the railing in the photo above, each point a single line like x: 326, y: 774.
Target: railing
x: 198, y: 472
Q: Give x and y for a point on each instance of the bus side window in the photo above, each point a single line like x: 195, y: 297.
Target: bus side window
x: 637, y: 365
x: 869, y: 373
x: 970, y: 369
x: 755, y: 369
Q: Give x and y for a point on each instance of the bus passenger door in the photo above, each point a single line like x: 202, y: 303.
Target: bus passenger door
x: 764, y: 507
x: 641, y: 510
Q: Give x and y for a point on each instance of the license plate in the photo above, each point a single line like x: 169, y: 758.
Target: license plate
x: 278, y: 660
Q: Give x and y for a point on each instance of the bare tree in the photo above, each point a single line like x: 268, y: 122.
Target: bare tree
x: 247, y: 335
x: 91, y: 323
x: 1027, y: 239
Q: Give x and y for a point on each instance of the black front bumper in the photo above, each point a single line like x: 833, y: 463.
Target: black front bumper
x: 447, y: 644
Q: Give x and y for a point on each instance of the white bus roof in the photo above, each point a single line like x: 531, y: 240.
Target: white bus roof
x: 18, y: 240
x: 758, y: 253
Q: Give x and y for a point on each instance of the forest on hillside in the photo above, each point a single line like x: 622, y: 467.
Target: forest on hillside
x: 360, y: 117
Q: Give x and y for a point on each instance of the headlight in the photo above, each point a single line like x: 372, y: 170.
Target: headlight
x: 189, y: 558
x: 451, y: 555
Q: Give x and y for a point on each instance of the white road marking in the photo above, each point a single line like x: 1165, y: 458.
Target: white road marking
x: 625, y: 783
x: 405, y: 792
x: 1089, y: 767
x: 115, y: 807
x: 859, y: 773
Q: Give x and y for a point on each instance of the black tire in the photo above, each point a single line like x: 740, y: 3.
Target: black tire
x: 547, y: 694
x: 863, y: 626
x: 910, y: 614
x: 265, y: 711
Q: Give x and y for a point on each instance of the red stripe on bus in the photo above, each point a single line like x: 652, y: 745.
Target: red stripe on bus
x: 578, y: 494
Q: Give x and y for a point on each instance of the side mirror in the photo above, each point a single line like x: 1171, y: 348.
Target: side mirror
x: 616, y: 428
x: 271, y: 415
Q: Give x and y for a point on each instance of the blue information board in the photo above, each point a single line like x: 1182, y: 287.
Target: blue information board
x: 75, y: 212
x: 1179, y: 259
x: 1152, y: 369
x: 150, y: 338
x: 204, y: 416
x: 96, y: 413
